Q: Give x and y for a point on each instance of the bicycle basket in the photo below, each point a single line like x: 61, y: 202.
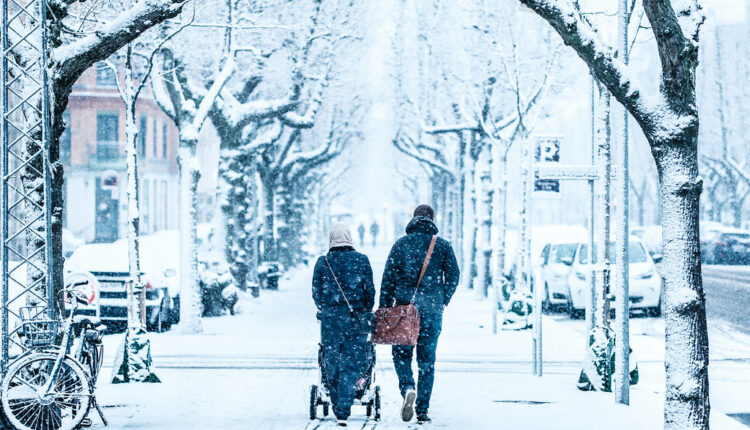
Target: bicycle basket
x: 38, y: 329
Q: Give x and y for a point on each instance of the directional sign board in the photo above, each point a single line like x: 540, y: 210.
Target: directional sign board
x: 546, y: 151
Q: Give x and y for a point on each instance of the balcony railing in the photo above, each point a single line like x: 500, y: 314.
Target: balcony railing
x: 106, y: 155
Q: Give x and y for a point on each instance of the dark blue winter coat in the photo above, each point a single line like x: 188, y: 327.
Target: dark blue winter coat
x: 405, y: 262
x: 354, y: 273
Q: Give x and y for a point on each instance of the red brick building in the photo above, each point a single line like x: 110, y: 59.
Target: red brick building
x: 93, y: 151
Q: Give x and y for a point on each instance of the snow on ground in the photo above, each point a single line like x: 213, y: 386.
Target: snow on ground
x: 254, y: 371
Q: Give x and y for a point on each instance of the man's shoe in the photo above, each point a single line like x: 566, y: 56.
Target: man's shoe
x: 407, y: 409
x: 423, y: 419
x: 342, y: 423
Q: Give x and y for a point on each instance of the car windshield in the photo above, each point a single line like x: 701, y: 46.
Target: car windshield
x: 709, y: 234
x: 738, y: 237
x: 563, y: 252
x: 636, y: 253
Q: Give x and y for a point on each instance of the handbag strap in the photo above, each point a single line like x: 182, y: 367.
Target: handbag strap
x: 351, y: 309
x: 424, y: 265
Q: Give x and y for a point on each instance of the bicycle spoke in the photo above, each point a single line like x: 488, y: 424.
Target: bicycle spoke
x: 28, y: 384
x: 57, y: 419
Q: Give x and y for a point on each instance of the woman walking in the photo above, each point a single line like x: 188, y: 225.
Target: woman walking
x: 344, y: 294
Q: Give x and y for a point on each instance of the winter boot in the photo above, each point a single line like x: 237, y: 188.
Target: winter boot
x: 407, y: 409
x: 423, y: 419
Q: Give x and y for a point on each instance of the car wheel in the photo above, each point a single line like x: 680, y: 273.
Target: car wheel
x: 175, y: 311
x: 573, y: 313
x: 164, y: 320
x: 655, y: 311
x: 546, y: 305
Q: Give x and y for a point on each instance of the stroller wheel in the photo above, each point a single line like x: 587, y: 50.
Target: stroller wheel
x: 376, y: 403
x: 313, y: 402
x: 325, y: 409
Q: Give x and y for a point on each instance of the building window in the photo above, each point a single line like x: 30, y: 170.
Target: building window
x: 142, y: 137
x: 105, y: 76
x: 65, y: 139
x: 164, y: 139
x: 154, y: 136
x: 164, y: 205
x: 107, y: 146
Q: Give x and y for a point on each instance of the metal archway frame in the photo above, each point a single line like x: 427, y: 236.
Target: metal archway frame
x: 26, y: 213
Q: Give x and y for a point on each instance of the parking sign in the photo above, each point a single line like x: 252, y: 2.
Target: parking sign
x: 546, y: 151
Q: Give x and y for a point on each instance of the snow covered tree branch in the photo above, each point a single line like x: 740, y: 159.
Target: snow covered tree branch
x: 670, y: 123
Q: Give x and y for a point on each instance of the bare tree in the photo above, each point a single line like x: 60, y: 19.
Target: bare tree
x: 670, y: 123
x: 78, y: 36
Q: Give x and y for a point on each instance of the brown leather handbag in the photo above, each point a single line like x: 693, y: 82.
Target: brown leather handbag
x: 399, y: 325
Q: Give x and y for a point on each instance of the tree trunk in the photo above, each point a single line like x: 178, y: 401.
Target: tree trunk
x: 686, y: 338
x: 523, y: 263
x: 485, y: 248
x: 737, y: 205
x: 467, y: 175
x: 496, y: 164
x: 269, y: 227
x: 473, y: 255
x: 190, y: 293
x: 136, y: 302
x: 502, y: 218
x: 461, y: 204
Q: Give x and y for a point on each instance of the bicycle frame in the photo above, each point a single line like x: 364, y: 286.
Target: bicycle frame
x: 64, y: 347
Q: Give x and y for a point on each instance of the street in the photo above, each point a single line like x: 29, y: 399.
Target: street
x: 728, y: 300
x: 254, y: 370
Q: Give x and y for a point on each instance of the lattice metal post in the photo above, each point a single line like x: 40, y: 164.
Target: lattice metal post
x: 26, y: 213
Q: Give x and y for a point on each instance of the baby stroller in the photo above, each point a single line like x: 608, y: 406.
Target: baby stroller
x: 368, y: 395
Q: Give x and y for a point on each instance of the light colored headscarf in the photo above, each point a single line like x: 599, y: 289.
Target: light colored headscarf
x: 340, y: 236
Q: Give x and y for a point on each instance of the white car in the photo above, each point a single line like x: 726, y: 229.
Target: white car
x: 553, y: 249
x: 644, y: 287
x: 108, y: 263
x: 555, y: 265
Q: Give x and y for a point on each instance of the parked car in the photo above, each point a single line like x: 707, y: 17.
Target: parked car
x: 710, y: 232
x: 552, y: 252
x: 556, y: 262
x: 108, y: 263
x: 650, y: 236
x: 70, y: 242
x: 730, y: 246
x: 645, y: 289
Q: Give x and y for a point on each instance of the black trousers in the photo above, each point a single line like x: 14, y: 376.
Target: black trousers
x: 429, y: 331
x: 344, y: 357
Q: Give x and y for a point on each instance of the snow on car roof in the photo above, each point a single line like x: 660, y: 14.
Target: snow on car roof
x: 158, y: 251
x: 557, y: 234
x: 100, y: 257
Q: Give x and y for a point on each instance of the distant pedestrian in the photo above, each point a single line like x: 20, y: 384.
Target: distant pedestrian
x: 438, y: 285
x: 361, y: 231
x: 344, y: 294
x: 374, y: 229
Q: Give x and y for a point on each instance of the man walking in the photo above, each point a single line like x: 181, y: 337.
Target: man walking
x: 374, y: 229
x: 438, y: 285
x: 361, y: 231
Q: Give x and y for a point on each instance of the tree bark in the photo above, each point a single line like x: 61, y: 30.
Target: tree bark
x: 269, y: 224
x: 135, y: 300
x: 687, y: 405
x: 190, y: 292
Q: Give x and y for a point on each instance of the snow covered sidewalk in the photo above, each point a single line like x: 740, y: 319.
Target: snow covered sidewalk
x: 254, y: 370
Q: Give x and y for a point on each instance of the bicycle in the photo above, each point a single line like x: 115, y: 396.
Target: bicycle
x: 47, y: 388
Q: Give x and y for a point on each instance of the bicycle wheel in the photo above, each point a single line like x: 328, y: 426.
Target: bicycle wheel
x: 28, y: 408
